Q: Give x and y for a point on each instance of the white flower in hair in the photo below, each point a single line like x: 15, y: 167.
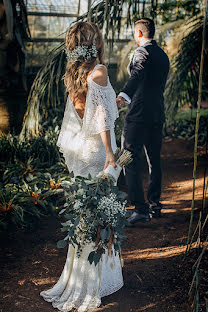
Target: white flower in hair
x: 81, y: 53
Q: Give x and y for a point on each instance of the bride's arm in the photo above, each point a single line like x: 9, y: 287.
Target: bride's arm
x: 101, y: 78
x: 106, y: 138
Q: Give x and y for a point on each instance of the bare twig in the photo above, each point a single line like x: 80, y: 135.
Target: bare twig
x: 203, y: 51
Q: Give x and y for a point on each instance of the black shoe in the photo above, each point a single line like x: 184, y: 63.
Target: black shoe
x: 155, y: 210
x: 138, y: 217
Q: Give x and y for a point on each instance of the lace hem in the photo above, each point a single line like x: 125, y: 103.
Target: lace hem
x: 69, y: 306
x: 81, y: 284
x: 111, y: 290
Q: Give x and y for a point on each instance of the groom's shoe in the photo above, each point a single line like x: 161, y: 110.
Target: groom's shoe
x: 155, y: 210
x: 138, y: 217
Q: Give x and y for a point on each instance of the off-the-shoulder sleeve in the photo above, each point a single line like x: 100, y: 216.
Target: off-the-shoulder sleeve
x: 100, y: 110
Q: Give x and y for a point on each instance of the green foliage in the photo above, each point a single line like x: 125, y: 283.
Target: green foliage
x: 182, y: 126
x: 112, y: 15
x: 182, y: 85
x: 94, y: 213
x: 119, y: 124
x: 174, y: 10
x: 20, y: 206
x: 185, y: 129
x: 40, y: 150
x: 24, y: 199
x: 30, y: 177
x: 46, y: 92
x: 190, y: 114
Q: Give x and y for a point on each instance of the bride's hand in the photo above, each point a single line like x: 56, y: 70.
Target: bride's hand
x: 110, y: 160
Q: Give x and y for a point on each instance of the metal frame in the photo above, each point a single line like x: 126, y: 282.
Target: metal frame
x: 55, y: 8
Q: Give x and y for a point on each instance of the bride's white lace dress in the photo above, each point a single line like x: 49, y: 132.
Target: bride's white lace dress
x: 81, y: 284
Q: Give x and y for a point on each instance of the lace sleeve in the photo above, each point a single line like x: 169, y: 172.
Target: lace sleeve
x: 101, y: 109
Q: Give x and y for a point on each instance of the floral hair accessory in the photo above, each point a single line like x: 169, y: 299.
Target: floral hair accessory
x: 81, y: 53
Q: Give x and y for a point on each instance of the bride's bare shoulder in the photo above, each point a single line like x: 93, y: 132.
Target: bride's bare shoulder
x: 101, y: 76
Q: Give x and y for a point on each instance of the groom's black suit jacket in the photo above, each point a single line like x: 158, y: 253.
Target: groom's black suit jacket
x: 149, y: 70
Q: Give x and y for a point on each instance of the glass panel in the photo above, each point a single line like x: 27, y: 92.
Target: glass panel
x: 49, y: 26
x: 53, y: 6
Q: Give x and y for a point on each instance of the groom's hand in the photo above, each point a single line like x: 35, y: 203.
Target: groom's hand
x: 120, y: 102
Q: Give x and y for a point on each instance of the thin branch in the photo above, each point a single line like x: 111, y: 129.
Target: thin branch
x: 197, y: 122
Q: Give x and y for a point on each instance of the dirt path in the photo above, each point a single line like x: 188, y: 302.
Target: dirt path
x: 156, y: 277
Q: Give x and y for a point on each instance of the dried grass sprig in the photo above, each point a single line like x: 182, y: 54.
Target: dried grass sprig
x: 118, y: 153
x: 125, y: 158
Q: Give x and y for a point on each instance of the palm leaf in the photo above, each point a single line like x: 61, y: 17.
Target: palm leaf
x: 45, y: 93
x: 182, y: 84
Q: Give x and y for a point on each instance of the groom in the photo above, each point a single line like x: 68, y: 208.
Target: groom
x: 144, y: 119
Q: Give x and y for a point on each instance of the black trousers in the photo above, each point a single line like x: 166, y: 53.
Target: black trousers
x: 136, y: 138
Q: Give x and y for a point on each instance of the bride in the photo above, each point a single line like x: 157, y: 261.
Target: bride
x: 87, y: 141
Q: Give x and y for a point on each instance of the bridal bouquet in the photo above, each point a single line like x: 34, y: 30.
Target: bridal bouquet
x: 95, y: 212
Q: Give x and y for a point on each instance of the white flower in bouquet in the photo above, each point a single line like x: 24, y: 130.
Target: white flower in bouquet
x: 111, y: 207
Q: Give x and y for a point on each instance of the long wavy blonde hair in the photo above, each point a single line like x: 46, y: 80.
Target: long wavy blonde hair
x: 75, y: 77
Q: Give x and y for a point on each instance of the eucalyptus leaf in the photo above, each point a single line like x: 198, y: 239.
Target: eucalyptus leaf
x: 104, y: 234
x: 64, y: 229
x: 69, y: 216
x: 61, y: 244
x: 91, y: 257
x: 103, y: 215
x: 76, y: 222
x: 62, y: 211
x: 96, y: 258
x: 66, y: 238
x: 67, y: 223
x: 122, y: 195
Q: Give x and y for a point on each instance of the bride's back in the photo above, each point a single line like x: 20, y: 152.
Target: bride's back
x: 100, y: 77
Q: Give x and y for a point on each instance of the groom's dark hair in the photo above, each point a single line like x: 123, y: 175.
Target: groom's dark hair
x: 146, y: 26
